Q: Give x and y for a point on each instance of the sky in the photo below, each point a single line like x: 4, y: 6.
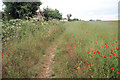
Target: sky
x: 84, y: 9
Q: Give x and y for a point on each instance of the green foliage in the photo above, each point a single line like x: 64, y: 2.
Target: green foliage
x: 19, y: 10
x: 75, y: 19
x: 52, y: 14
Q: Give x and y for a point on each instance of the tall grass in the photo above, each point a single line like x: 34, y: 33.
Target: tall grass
x: 24, y: 44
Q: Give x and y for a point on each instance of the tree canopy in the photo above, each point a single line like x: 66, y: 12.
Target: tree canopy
x: 51, y: 14
x: 69, y: 15
x: 19, y: 10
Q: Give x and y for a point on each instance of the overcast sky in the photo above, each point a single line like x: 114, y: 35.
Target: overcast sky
x: 84, y: 9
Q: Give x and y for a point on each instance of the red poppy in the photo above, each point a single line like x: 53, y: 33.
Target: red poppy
x: 105, y: 57
x: 109, y: 55
x: 101, y: 56
x: 114, y: 51
x: 98, y: 52
x: 83, y: 68
x: 117, y: 48
x: 91, y: 55
x: 116, y: 41
x: 2, y: 54
x: 65, y: 36
x: 112, y: 68
x: 89, y: 64
x: 86, y: 32
x: 96, y: 42
x: 88, y: 52
x: 94, y: 52
x: 77, y: 46
x: 113, y: 39
x: 99, y: 47
x: 91, y: 41
x: 111, y: 50
x: 75, y: 40
x: 117, y: 57
x: 78, y: 68
x: 6, y: 47
x: 118, y: 45
x: 118, y: 73
x: 114, y: 54
x: 75, y: 66
x: 112, y: 44
x: 106, y: 46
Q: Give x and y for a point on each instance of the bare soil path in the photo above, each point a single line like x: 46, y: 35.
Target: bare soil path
x: 46, y: 70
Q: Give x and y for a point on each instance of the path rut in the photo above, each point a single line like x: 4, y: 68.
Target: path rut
x: 46, y: 63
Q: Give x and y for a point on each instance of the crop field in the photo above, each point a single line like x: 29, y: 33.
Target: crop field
x: 84, y: 49
x: 113, y: 21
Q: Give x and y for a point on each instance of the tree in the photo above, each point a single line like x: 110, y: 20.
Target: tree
x: 91, y: 20
x: 75, y: 19
x: 19, y: 10
x: 69, y: 15
x: 98, y: 20
x: 51, y: 14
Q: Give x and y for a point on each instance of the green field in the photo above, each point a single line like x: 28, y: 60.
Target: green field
x: 85, y: 49
x: 88, y: 45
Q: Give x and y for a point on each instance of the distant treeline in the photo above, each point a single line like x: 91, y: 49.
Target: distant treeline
x: 21, y: 10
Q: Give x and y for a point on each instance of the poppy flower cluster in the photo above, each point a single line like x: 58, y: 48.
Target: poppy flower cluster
x: 92, y: 52
x: 113, y: 50
x: 75, y: 67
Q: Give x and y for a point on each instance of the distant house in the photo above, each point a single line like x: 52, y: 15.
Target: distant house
x: 64, y: 20
x: 39, y: 15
